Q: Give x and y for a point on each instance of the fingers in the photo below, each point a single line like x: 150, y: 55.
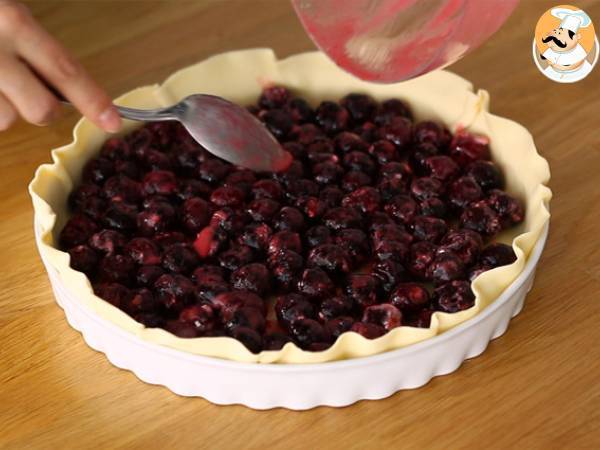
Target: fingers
x: 26, y: 92
x: 52, y: 62
x: 8, y: 115
x: 56, y: 65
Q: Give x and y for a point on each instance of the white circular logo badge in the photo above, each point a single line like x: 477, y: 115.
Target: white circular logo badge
x: 565, y: 46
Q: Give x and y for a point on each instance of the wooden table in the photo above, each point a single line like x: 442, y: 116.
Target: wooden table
x: 536, y: 387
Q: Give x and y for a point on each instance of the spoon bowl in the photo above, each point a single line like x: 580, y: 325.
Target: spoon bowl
x: 225, y: 129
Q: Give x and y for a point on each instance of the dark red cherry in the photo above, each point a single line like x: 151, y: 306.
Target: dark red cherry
x: 409, y: 297
x: 384, y: 315
x: 454, y: 296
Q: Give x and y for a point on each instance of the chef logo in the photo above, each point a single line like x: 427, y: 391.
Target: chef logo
x: 565, y: 47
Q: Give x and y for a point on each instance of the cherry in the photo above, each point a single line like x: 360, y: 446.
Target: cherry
x: 116, y: 148
x: 155, y: 219
x: 361, y: 107
x: 83, y: 258
x: 227, y: 302
x: 174, y: 291
x: 318, y: 235
x: 409, y: 297
x: 331, y: 117
x: 441, y: 167
x: 180, y: 258
x: 509, y: 209
x: 117, y: 268
x: 292, y: 307
x: 390, y: 109
x: 432, y: 133
x: 160, y: 182
x: 466, y: 244
x: 486, y: 174
x: 250, y: 338
x: 333, y: 307
x: 434, y: 207
x: 340, y: 218
x: 453, y: 297
x: 286, y: 267
x: 383, y: 151
x: 421, y: 256
x: 98, y: 170
x: 388, y: 274
x: 327, y: 172
x: 147, y: 275
x: 339, y: 325
x: 397, y: 130
x: 285, y: 240
x: 256, y: 236
x: 346, y: 142
x: 278, y: 121
x: 365, y: 199
x: 236, y: 257
x: 446, y: 267
x: 481, y: 218
x: 355, y: 243
x: 309, y: 334
x: 368, y: 330
x: 299, y: 110
x: 402, y: 208
x: 253, y: 277
x: 243, y: 179
x: 195, y: 214
x: 189, y: 188
x: 290, y: 219
x: 107, y: 241
x: 274, y: 97
x: 497, y: 254
x: 315, y: 284
x: 429, y: 229
x: 267, y: 189
x: 466, y: 148
x: 120, y: 188
x: 213, y: 170
x: 77, y: 231
x: 330, y: 257
x: 143, y: 251
x: 384, y: 315
x: 464, y: 191
x: 114, y: 293
x: 422, y: 319
x: 141, y: 300
x: 332, y: 195
x: 354, y: 180
x: 426, y: 187
x: 275, y: 341
x: 227, y: 196
x: 246, y: 317
x: 362, y: 289
x: 263, y: 209
x: 201, y: 317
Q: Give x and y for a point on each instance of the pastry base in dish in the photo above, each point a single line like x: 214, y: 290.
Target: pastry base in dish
x: 298, y: 386
x: 240, y: 76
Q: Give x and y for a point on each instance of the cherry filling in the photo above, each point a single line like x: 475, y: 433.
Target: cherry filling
x: 378, y: 222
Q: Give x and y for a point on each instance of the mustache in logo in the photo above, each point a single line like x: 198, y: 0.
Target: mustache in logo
x: 556, y: 41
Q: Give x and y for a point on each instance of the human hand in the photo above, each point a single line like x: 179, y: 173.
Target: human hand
x: 28, y: 55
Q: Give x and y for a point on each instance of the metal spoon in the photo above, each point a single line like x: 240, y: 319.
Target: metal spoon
x: 223, y: 128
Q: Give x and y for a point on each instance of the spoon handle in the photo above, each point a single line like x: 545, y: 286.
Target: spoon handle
x: 144, y: 115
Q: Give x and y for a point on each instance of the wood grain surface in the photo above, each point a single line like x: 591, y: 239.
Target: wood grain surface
x: 535, y: 387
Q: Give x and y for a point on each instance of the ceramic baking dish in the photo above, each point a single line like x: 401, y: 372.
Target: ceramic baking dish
x: 404, y: 358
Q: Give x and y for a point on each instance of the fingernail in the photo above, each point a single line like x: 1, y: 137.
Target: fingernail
x: 110, y: 120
